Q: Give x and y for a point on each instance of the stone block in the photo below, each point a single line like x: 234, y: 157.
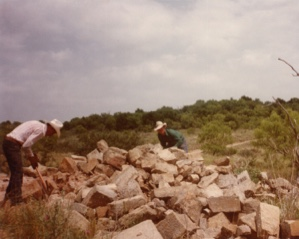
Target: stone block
x: 224, y: 204
x: 100, y: 196
x: 267, y: 220
x: 175, y: 226
x: 118, y: 208
x: 143, y: 230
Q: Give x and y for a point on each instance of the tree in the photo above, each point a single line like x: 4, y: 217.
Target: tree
x: 215, y: 136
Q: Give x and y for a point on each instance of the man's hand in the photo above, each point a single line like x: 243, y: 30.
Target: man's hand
x: 34, y: 161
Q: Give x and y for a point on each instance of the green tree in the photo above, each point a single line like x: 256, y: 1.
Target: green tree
x: 273, y: 135
x: 215, y: 136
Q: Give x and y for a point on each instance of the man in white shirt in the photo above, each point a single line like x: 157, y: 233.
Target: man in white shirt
x: 24, y: 137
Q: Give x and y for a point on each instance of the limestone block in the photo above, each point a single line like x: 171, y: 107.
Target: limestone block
x: 95, y: 154
x: 218, y: 221
x: 143, y: 230
x: 87, y: 167
x: 267, y: 220
x: 189, y: 204
x: 118, y: 208
x: 290, y: 229
x: 245, y: 183
x: 100, y: 196
x: 134, y: 155
x: 126, y: 184
x: 224, y: 204
x: 163, y: 167
x: 138, y: 215
x: 212, y: 191
x: 175, y: 225
x: 226, y: 181
x: 115, y: 157
x: 243, y: 230
x: 249, y: 220
x: 165, y: 177
x: 76, y: 220
x: 222, y: 161
x: 207, y: 180
x: 102, y: 145
x: 167, y: 156
x: 250, y: 205
x: 68, y: 165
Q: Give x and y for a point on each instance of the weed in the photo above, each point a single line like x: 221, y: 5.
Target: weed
x: 36, y: 220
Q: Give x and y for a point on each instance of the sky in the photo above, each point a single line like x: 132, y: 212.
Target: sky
x: 68, y: 58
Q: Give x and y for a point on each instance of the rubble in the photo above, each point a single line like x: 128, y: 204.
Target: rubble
x: 150, y: 192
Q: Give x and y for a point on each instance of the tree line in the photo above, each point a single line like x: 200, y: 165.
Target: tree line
x: 124, y: 129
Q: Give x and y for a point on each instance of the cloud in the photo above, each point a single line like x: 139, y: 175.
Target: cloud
x: 65, y: 59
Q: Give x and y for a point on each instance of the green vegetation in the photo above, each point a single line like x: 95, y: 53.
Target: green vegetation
x: 36, y: 220
x: 207, y: 125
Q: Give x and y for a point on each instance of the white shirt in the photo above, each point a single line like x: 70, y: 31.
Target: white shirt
x: 28, y: 133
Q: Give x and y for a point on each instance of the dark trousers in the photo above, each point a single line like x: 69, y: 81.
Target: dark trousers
x: 12, y: 152
x: 184, y: 146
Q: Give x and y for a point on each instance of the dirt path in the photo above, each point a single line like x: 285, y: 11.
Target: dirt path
x: 239, y: 143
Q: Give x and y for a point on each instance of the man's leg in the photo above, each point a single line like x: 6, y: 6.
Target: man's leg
x: 184, y: 146
x: 12, y: 153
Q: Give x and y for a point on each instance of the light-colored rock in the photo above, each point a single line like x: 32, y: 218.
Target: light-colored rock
x: 68, y: 165
x: 167, y: 156
x: 100, y: 196
x: 243, y: 230
x: 212, y: 191
x: 250, y: 205
x: 95, y: 154
x: 175, y: 225
x: 134, y: 155
x: 126, y: 184
x: 290, y: 229
x: 118, y: 208
x: 218, y: 221
x: 138, y: 215
x: 76, y: 220
x: 222, y: 161
x: 165, y: 177
x: 143, y: 230
x: 189, y: 204
x: 115, y: 157
x: 224, y: 204
x: 267, y: 220
x: 207, y: 180
x: 163, y: 167
x: 226, y: 181
x: 244, y: 182
x: 249, y: 220
x: 88, y: 167
x: 102, y: 146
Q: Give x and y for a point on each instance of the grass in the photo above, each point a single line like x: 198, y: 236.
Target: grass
x: 37, y: 220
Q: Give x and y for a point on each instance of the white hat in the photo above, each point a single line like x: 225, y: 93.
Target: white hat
x: 159, y: 125
x: 57, y: 125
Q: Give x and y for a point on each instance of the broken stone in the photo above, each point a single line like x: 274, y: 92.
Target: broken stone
x: 175, y: 225
x: 100, y: 196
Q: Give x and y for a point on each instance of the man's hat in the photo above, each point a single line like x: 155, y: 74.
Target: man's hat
x: 57, y: 125
x: 159, y: 125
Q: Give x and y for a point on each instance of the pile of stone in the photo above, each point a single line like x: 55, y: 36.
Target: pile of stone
x: 150, y: 192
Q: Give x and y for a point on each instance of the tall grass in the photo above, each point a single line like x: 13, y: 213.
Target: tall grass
x: 36, y: 220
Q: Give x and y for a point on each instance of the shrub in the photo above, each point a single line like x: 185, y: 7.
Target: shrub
x: 36, y: 220
x: 214, y: 137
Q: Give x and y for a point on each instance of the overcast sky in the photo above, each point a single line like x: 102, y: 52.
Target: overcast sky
x: 69, y: 58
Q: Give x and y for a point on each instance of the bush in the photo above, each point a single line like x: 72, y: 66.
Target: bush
x: 36, y: 220
x: 215, y: 136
